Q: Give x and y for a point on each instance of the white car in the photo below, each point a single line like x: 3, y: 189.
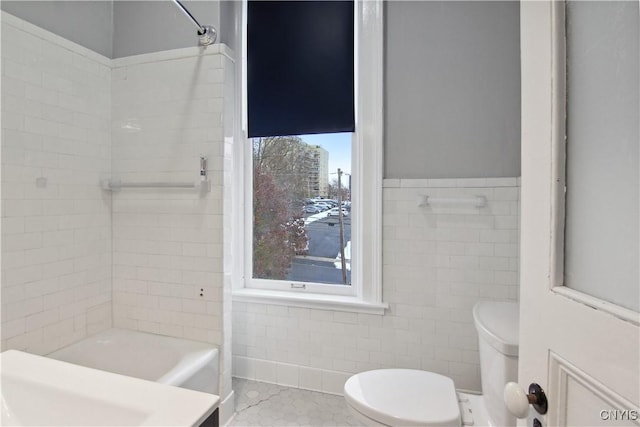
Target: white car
x: 334, y: 212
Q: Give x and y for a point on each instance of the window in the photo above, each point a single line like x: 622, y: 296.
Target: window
x: 301, y: 228
x: 293, y: 201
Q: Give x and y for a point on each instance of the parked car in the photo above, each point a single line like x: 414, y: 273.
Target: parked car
x: 324, y: 206
x: 312, y: 209
x: 334, y: 212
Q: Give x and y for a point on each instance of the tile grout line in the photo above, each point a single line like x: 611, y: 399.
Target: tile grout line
x: 261, y: 401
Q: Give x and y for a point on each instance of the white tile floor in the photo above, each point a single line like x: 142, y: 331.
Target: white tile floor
x: 262, y: 404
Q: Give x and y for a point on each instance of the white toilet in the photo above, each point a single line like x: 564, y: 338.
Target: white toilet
x: 409, y: 397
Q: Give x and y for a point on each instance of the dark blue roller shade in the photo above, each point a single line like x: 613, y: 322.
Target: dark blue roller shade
x: 300, y: 76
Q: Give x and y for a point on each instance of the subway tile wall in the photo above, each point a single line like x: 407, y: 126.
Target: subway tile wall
x: 438, y: 261
x: 76, y: 258
x: 56, y: 220
x: 168, y: 243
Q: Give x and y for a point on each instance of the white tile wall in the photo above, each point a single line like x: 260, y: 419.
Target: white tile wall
x: 438, y: 262
x: 56, y: 221
x: 227, y: 407
x: 77, y: 259
x: 168, y: 257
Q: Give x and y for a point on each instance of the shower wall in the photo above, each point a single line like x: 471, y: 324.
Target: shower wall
x: 56, y: 221
x: 167, y: 112
x: 77, y: 258
x: 170, y: 108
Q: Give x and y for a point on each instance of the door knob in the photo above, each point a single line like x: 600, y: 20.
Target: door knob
x: 518, y: 401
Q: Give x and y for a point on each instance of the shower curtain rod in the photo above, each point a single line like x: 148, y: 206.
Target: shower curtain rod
x: 206, y: 34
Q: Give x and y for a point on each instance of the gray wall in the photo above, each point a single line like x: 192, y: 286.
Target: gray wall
x: 452, y: 71
x: 122, y: 27
x: 88, y: 23
x: 452, y: 89
x: 151, y: 26
x: 230, y: 22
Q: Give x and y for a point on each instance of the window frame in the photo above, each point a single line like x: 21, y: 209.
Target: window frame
x: 365, y: 292
x: 291, y: 285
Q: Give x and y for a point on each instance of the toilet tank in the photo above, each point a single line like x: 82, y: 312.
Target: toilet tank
x: 497, y: 324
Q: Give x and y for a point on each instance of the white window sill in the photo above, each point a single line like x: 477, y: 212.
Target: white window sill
x: 308, y: 300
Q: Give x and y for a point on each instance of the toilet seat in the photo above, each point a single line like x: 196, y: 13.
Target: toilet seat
x: 406, y: 397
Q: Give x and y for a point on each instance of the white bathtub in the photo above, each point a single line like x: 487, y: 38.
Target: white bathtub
x: 167, y: 360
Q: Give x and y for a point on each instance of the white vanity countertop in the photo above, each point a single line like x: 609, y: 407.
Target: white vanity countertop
x: 36, y: 390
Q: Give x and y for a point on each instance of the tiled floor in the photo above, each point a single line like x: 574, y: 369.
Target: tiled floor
x: 262, y: 404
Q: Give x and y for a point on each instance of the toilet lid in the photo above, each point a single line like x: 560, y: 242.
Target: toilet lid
x: 406, y: 397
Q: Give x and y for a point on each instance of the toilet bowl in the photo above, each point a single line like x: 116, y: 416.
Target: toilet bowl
x: 411, y: 397
x: 404, y: 397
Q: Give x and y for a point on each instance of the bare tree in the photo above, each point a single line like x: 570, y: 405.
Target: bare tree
x: 288, y: 159
x: 335, y: 193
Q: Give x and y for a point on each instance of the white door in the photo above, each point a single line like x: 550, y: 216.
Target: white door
x: 584, y: 350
